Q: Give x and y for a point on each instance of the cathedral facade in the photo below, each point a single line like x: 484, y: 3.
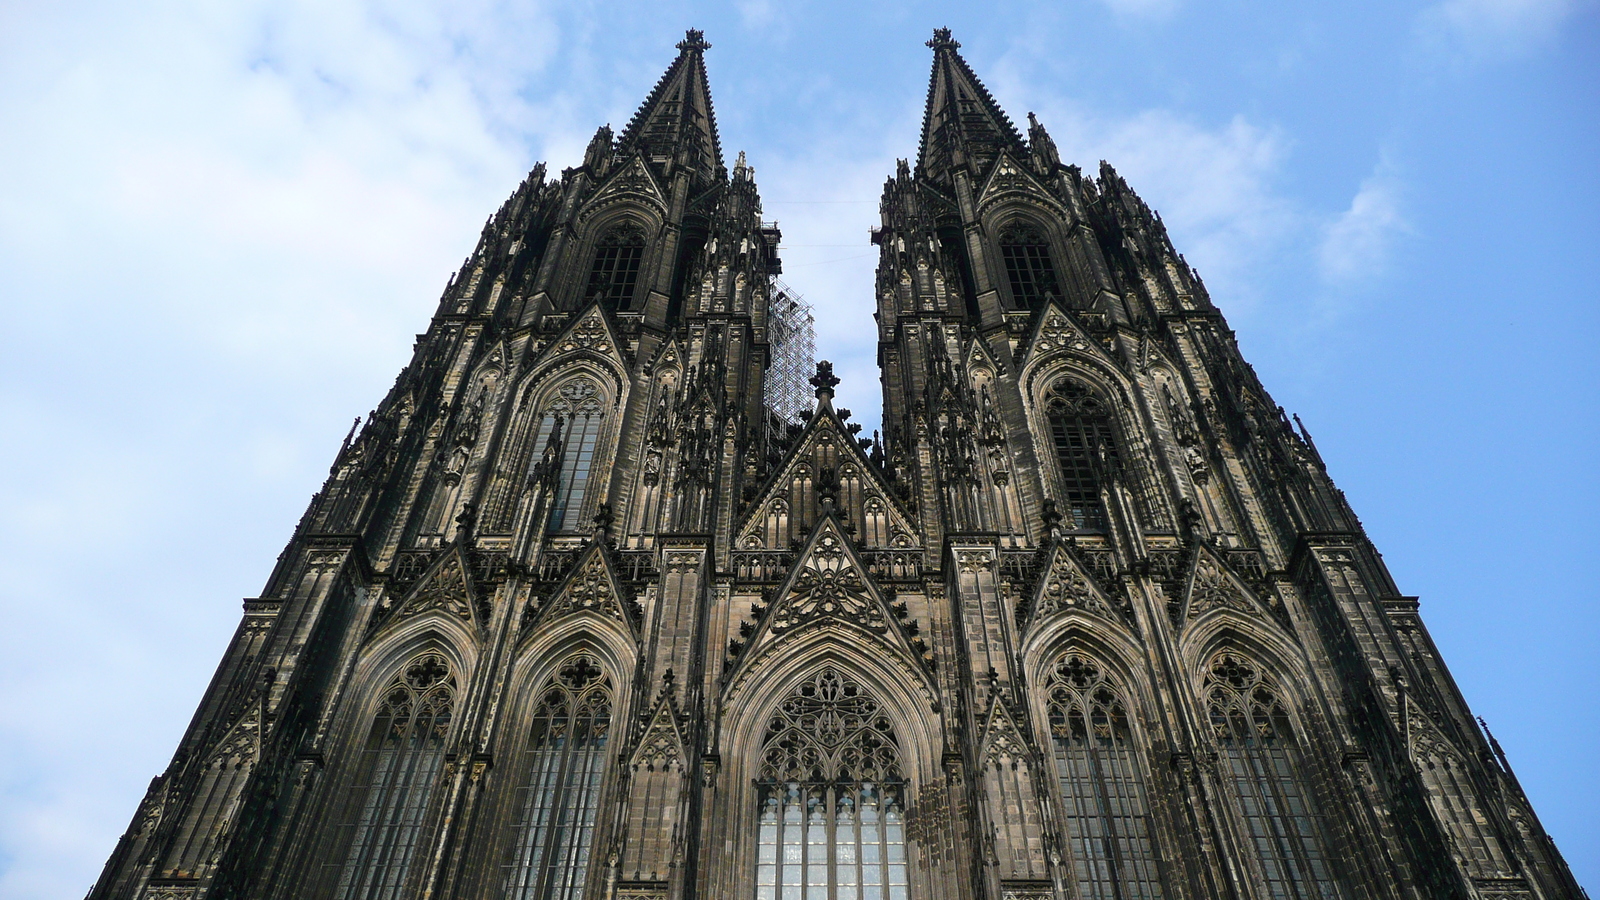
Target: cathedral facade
x: 577, y: 615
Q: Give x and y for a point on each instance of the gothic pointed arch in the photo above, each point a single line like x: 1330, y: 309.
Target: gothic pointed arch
x: 1083, y: 442
x: 381, y: 808
x: 1263, y: 765
x: 1102, y: 780
x: 572, y: 420
x: 559, y: 772
x: 831, y: 795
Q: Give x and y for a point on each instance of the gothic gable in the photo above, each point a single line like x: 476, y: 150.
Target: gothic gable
x: 1065, y: 586
x: 1002, y: 737
x: 829, y: 588
x: 630, y: 181
x: 826, y: 458
x: 662, y: 745
x: 1212, y: 585
x: 1056, y: 331
x: 443, y: 590
x: 1011, y: 180
x: 592, y: 588
x: 589, y: 333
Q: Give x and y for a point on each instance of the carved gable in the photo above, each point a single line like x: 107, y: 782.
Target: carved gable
x: 1055, y: 329
x: 662, y: 745
x: 826, y: 457
x: 1010, y: 178
x: 830, y: 587
x: 1065, y: 585
x: 1002, y: 738
x: 589, y: 331
x: 1213, y: 585
x: 629, y: 181
x: 592, y: 587
x: 444, y: 589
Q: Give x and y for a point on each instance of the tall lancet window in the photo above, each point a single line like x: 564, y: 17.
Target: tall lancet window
x: 578, y: 406
x: 381, y: 821
x: 1026, y: 252
x: 1108, y: 817
x: 1081, y: 430
x: 615, y: 273
x: 832, y: 798
x: 1262, y: 762
x: 557, y: 803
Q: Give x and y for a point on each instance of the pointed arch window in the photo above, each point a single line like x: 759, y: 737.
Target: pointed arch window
x: 1080, y: 429
x: 397, y: 770
x: 831, y: 798
x: 1025, y: 250
x: 614, y: 274
x: 578, y: 409
x: 1102, y: 790
x: 559, y: 798
x: 1262, y: 763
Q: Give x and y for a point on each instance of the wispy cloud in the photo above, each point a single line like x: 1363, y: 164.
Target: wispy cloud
x: 1214, y: 186
x: 1487, y: 29
x: 1357, y: 245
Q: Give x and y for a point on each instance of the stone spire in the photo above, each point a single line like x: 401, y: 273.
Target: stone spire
x: 676, y: 124
x: 962, y: 124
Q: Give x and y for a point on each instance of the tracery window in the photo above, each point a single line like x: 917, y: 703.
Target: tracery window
x: 381, y: 821
x: 831, y: 798
x: 1262, y: 762
x: 1080, y: 427
x: 557, y: 802
x: 578, y: 408
x: 615, y: 272
x: 1026, y: 252
x: 1108, y: 818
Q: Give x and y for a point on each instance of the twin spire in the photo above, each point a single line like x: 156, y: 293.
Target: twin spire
x: 676, y: 122
x: 962, y: 123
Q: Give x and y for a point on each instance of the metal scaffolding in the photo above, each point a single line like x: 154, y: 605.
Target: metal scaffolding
x: 793, y: 334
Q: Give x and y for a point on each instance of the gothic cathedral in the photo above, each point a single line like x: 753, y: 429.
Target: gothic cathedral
x: 578, y: 615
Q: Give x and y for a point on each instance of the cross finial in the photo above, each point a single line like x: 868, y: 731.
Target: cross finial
x: 693, y: 39
x: 942, y: 38
x: 824, y: 381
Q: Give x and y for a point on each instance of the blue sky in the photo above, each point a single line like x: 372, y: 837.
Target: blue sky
x: 222, y: 224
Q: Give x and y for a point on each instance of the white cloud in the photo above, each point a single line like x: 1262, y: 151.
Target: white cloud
x: 1214, y: 186
x: 1357, y: 244
x: 1495, y: 28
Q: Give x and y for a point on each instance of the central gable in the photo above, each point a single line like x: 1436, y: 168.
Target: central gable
x: 826, y: 460
x: 830, y: 589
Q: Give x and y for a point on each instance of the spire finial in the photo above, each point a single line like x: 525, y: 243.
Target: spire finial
x: 693, y: 39
x: 942, y: 39
x: 824, y: 381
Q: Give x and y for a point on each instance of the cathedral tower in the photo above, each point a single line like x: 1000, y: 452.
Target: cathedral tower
x: 576, y: 615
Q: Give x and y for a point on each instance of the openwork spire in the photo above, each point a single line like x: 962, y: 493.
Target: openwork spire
x: 676, y: 122
x: 962, y: 124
